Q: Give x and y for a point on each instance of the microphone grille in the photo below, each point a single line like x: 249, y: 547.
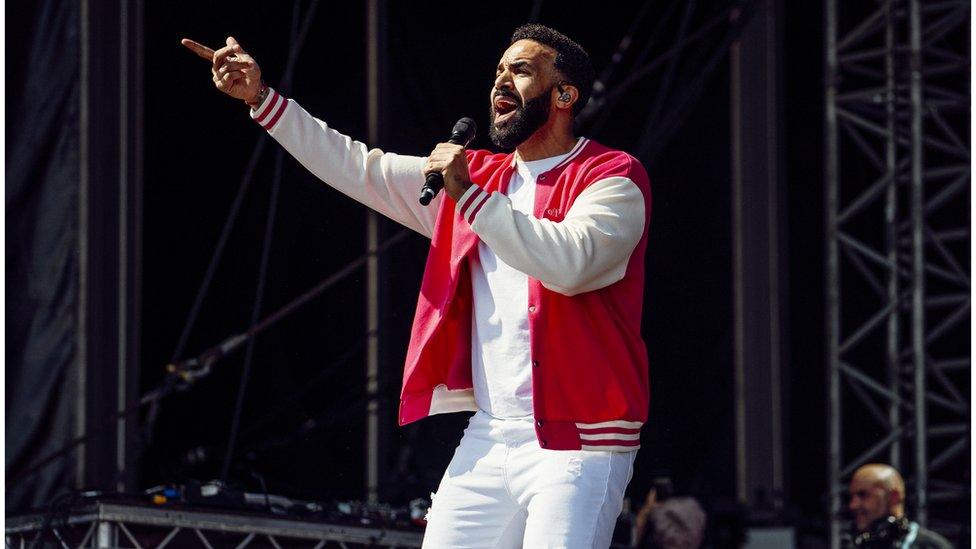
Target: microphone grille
x: 466, y: 127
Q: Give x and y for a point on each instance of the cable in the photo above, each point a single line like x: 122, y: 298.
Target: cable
x: 610, y: 98
x: 264, y: 489
x: 322, y: 377
x: 255, y: 311
x: 693, y: 92
x: 595, y: 104
x: 221, y: 243
x: 52, y: 511
x: 298, y: 39
x: 662, y: 91
x: 180, y: 377
x: 262, y: 277
x: 245, y: 183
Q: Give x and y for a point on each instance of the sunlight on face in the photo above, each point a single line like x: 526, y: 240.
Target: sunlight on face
x: 520, y: 101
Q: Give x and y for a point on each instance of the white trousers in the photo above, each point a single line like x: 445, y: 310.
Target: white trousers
x: 502, y: 490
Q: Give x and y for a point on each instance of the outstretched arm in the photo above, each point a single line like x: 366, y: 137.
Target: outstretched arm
x: 386, y: 182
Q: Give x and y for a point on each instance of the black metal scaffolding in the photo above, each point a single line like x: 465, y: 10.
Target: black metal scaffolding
x: 897, y: 170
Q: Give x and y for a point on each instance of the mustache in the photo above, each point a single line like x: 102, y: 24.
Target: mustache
x: 508, y: 94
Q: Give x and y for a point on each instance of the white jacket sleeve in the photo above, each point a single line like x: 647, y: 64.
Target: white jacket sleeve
x: 588, y: 250
x: 386, y: 182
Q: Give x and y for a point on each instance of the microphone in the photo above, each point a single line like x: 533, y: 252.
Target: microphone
x: 462, y: 134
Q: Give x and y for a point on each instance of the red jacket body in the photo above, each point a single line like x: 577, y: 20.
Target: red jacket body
x: 589, y: 362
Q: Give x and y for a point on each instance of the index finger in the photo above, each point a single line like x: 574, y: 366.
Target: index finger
x: 198, y: 48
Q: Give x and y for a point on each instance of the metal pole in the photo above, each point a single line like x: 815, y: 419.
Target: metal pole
x: 891, y: 234
x: 374, y: 40
x: 741, y: 472
x: 81, y: 357
x: 757, y: 258
x: 918, y: 265
x: 833, y: 274
x: 122, y: 312
x: 103, y: 537
x: 775, y: 255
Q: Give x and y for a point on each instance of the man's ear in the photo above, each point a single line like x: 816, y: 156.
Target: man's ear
x: 566, y: 96
x: 894, y: 498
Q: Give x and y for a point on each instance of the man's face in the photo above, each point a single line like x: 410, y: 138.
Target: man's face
x: 522, y: 94
x: 869, y: 501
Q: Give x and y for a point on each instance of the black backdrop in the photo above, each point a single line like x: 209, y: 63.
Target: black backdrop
x: 303, y: 416
x: 42, y: 177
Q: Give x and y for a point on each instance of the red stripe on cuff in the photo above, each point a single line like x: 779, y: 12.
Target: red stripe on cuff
x: 271, y: 106
x: 467, y: 203
x: 477, y: 207
x: 610, y: 442
x: 281, y: 111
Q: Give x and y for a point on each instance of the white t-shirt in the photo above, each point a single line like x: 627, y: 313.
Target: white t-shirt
x: 500, y: 352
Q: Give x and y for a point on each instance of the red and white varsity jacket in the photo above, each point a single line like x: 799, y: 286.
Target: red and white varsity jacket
x: 581, y: 249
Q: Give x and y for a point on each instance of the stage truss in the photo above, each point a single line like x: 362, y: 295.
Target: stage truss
x: 897, y: 170
x: 132, y: 526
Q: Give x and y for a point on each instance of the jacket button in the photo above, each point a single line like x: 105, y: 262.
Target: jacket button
x: 544, y: 443
x: 531, y: 308
x: 539, y: 423
x: 535, y: 363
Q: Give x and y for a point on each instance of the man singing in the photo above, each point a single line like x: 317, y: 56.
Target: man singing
x: 530, y: 307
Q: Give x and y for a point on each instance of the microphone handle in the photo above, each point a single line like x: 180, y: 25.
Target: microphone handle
x: 433, y: 185
x: 435, y: 181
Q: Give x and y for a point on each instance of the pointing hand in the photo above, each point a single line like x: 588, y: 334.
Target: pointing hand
x: 234, y: 71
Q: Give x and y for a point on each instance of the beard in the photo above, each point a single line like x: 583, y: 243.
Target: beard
x: 522, y: 124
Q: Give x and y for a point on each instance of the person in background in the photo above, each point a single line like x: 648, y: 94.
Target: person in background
x: 877, y: 506
x: 675, y: 523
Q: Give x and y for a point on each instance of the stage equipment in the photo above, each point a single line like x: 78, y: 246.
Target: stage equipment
x: 897, y: 176
x: 212, y: 515
x: 130, y: 524
x: 462, y: 134
x: 209, y: 515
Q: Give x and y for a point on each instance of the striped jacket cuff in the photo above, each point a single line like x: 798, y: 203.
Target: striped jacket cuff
x: 271, y: 110
x: 471, y: 202
x: 610, y: 436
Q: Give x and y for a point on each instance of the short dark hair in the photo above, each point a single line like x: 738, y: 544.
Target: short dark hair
x: 571, y: 59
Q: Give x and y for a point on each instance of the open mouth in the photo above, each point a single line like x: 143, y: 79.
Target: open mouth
x: 504, y: 107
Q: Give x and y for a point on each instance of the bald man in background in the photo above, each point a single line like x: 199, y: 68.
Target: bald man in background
x: 878, y: 508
